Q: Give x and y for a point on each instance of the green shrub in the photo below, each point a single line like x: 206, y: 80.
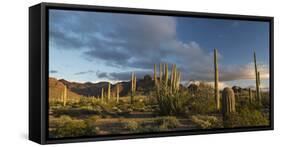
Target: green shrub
x: 247, y: 118
x: 201, y: 105
x: 168, y: 122
x: 132, y: 126
x: 72, y: 128
x: 65, y: 126
x: 206, y: 122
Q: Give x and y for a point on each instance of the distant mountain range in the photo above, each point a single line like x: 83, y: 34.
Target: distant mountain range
x: 88, y: 89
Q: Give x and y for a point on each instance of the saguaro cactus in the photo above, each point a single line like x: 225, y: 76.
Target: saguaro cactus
x: 257, y: 79
x: 117, y: 93
x: 160, y: 73
x: 166, y: 74
x: 102, y: 93
x: 250, y: 95
x: 133, y: 86
x: 108, y: 92
x: 155, y: 75
x: 64, y: 95
x: 228, y: 102
x: 217, y: 96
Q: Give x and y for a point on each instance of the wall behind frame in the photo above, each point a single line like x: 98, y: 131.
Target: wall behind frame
x: 14, y: 72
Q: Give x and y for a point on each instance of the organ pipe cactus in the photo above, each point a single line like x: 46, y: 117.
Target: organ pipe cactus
x: 167, y: 95
x: 228, y: 102
x: 217, y: 97
x: 171, y: 85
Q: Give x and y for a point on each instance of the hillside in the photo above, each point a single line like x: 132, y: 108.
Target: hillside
x: 56, y: 89
x: 88, y: 89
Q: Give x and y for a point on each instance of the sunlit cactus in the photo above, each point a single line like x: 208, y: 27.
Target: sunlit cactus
x: 160, y: 72
x: 102, y: 94
x: 64, y: 95
x: 133, y: 86
x: 117, y: 93
x: 167, y: 91
x: 228, y: 102
x: 250, y: 95
x: 166, y: 74
x: 257, y: 79
x: 155, y: 75
x: 108, y: 92
x: 217, y: 96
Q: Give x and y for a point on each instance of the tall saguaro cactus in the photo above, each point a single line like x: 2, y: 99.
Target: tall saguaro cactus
x: 217, y: 96
x: 133, y: 86
x: 108, y: 92
x: 117, y: 93
x: 228, y: 102
x: 250, y: 95
x: 102, y: 93
x: 64, y: 95
x: 166, y: 74
x: 160, y: 73
x: 257, y: 79
x: 155, y: 75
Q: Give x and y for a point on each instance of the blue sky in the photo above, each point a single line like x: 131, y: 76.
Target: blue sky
x: 95, y: 46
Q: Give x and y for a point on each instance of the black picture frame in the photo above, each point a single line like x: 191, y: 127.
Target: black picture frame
x: 38, y: 71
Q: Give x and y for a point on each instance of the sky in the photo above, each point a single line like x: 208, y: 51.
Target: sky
x: 89, y: 46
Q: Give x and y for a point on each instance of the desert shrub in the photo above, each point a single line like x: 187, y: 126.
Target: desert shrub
x: 201, y: 105
x: 201, y: 99
x: 65, y: 126
x: 170, y: 104
x: 167, y: 122
x: 70, y: 128
x: 132, y: 126
x: 206, y: 122
x: 94, y: 118
x: 246, y: 117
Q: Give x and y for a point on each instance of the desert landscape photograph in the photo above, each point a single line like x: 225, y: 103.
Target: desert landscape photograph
x: 117, y: 73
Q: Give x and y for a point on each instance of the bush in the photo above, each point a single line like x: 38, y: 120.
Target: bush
x: 206, y: 122
x: 72, y: 128
x: 168, y: 122
x: 132, y: 126
x: 246, y: 117
x: 65, y: 126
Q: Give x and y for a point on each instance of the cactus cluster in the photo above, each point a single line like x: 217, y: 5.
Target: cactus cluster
x: 167, y: 90
x: 171, y: 85
x: 133, y: 86
x: 257, y: 74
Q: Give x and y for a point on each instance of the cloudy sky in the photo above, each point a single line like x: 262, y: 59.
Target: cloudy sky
x: 95, y: 46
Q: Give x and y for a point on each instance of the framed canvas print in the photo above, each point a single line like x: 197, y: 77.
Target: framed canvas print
x: 102, y: 73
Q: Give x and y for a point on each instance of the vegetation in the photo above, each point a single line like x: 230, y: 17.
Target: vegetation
x: 158, y: 102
